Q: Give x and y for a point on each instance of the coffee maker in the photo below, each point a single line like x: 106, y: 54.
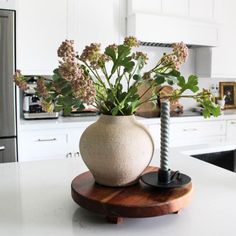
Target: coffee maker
x: 32, y: 108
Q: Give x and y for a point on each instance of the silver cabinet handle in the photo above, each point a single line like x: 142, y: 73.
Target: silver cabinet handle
x: 233, y: 122
x: 2, y: 148
x: 76, y: 154
x: 186, y: 130
x: 68, y: 155
x: 46, y: 140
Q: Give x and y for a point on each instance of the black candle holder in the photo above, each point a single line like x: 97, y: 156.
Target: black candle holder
x: 165, y: 179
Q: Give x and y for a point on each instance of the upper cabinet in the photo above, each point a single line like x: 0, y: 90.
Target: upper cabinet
x: 152, y: 6
x: 202, y: 9
x: 91, y: 21
x: 219, y: 62
x: 194, y: 9
x: 169, y: 7
x: 43, y: 25
x: 8, y: 4
x: 173, y: 21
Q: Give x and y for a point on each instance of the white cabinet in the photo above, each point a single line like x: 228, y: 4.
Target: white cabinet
x: 193, y: 133
x: 219, y: 62
x: 201, y: 9
x: 91, y: 21
x: 155, y: 132
x: 42, y: 145
x: 231, y: 131
x: 73, y: 141
x: 49, y: 144
x: 152, y: 6
x: 41, y: 27
x: 61, y: 143
x: 171, y: 7
x: 8, y: 4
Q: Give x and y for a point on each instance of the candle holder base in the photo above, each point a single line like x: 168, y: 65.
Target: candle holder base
x: 177, y: 180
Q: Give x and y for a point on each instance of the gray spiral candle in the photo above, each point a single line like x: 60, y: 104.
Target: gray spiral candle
x: 165, y: 118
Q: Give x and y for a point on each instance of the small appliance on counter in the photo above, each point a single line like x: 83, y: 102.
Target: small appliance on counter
x: 32, y: 108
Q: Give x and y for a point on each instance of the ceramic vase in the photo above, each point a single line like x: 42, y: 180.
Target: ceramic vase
x: 116, y: 149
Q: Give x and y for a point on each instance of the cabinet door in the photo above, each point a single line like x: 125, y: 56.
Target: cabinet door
x: 8, y: 4
x: 41, y: 27
x: 201, y: 9
x: 193, y: 133
x: 73, y: 140
x: 155, y: 132
x: 231, y: 131
x: 174, y: 8
x: 94, y: 21
x: 152, y: 6
x: 42, y: 145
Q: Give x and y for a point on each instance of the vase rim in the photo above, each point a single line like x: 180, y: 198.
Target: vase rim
x: 116, y: 119
x: 118, y: 116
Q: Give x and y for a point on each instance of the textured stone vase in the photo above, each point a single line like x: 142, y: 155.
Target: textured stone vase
x: 116, y: 149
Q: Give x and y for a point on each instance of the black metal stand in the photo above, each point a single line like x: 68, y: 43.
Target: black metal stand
x: 165, y: 179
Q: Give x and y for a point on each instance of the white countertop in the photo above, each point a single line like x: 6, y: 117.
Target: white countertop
x: 76, y: 122
x: 35, y: 200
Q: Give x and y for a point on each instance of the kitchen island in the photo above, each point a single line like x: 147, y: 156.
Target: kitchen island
x: 36, y: 200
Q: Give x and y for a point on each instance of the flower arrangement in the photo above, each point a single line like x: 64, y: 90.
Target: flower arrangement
x: 110, y: 80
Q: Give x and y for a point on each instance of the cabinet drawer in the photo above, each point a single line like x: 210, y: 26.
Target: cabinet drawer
x: 197, y: 129
x: 42, y: 145
x: 182, y: 134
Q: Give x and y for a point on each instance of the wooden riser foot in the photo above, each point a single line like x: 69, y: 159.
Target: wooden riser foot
x: 114, y: 219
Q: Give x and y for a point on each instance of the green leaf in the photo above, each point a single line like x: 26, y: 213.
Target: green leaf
x: 160, y: 80
x: 174, y: 73
x: 111, y: 52
x: 191, y: 84
x: 123, y: 52
x: 115, y: 111
x: 128, y: 66
x: 66, y: 89
x: 181, y: 81
x: 170, y: 82
x: 137, y: 77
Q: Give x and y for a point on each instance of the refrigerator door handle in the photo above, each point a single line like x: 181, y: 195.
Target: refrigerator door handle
x: 2, y: 148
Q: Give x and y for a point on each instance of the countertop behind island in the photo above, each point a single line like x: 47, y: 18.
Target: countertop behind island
x: 70, y: 122
x: 36, y: 201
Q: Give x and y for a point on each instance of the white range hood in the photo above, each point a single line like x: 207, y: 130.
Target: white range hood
x: 159, y: 30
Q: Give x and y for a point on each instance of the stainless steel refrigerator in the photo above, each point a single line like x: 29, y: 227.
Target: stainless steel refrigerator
x: 8, y: 150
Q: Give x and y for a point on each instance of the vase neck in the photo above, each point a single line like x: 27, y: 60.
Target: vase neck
x: 116, y: 119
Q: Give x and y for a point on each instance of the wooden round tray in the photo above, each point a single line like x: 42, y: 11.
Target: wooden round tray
x: 136, y: 201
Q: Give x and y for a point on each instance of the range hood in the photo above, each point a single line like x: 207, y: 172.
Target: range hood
x: 162, y: 31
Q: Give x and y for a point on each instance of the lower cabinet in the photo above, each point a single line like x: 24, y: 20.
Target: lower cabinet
x: 41, y: 145
x: 194, y: 133
x: 231, y: 130
x: 73, y: 141
x: 62, y: 143
x: 191, y: 133
x: 49, y: 144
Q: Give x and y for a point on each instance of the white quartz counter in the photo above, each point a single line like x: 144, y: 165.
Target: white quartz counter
x: 35, y: 200
x: 76, y: 122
